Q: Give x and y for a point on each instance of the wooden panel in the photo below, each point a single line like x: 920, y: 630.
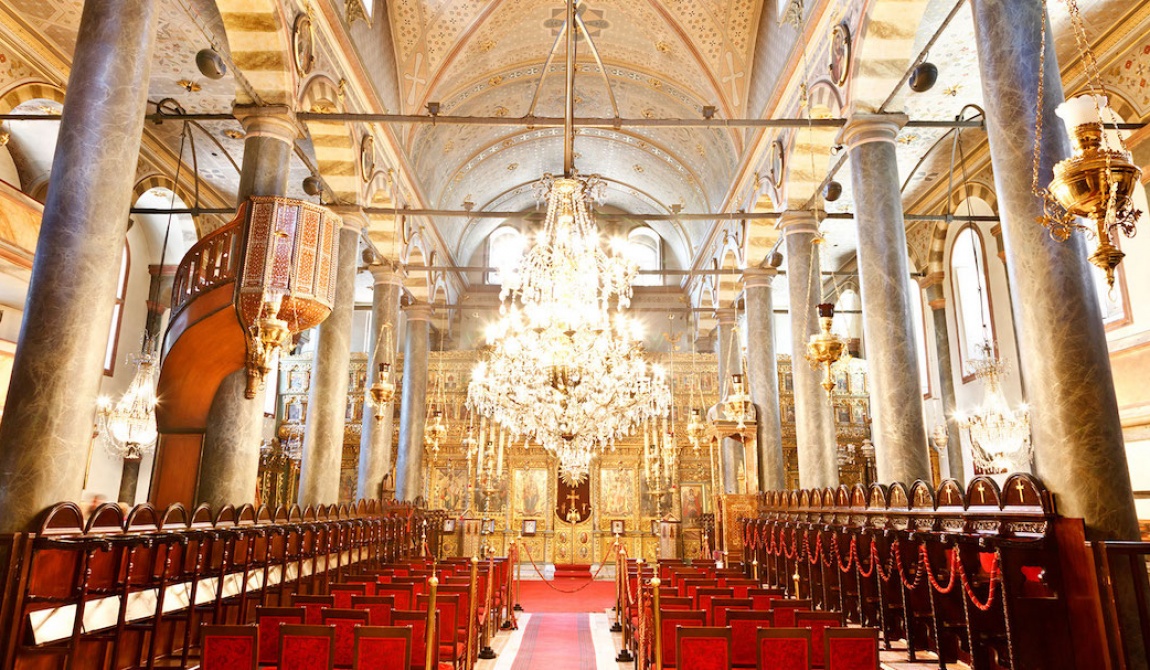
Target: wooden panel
x: 177, y: 469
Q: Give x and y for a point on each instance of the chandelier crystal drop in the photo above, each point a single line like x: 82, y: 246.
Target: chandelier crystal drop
x: 565, y: 366
x: 128, y: 426
x: 1000, y: 434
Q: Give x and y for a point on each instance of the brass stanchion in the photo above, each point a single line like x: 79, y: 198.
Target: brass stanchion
x: 518, y: 576
x: 617, y: 627
x: 655, y: 583
x: 473, y: 613
x: 755, y: 569
x: 486, y: 652
x: 508, y: 586
x: 432, y: 640
x: 624, y: 655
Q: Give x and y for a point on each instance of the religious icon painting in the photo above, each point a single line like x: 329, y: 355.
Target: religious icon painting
x: 693, y: 503
x: 842, y: 414
x: 618, y: 526
x: 529, y: 526
x: 530, y: 489
x: 616, y: 491
x: 449, y: 525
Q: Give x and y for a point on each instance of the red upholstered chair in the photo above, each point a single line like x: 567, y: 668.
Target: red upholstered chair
x: 451, y: 649
x: 368, y: 581
x: 675, y: 603
x: 341, y: 594
x: 404, y: 594
x: 378, y: 608
x: 382, y: 648
x: 229, y: 647
x: 785, y: 609
x: 307, y: 647
x: 784, y: 649
x: 268, y: 620
x: 673, y: 620
x: 818, y: 623
x: 704, y: 596
x: 744, y: 626
x: 720, y: 607
x: 705, y: 648
x: 344, y: 621
x: 464, y: 593
x: 851, y: 648
x: 741, y: 586
x: 762, y: 598
x: 417, y: 621
x: 313, y: 606
x: 418, y: 583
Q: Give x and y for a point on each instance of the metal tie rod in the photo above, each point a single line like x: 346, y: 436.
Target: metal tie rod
x: 720, y: 216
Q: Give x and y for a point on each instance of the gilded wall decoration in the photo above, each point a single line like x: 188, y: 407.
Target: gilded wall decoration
x: 530, y: 492
x: 617, y: 492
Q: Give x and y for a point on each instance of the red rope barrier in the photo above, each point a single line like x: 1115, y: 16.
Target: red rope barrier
x: 602, y: 564
x: 951, y: 553
x: 966, y: 587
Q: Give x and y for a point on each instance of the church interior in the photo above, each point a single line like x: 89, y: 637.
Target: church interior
x: 511, y: 334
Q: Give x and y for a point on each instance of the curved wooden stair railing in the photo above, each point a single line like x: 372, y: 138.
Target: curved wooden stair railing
x: 275, y: 247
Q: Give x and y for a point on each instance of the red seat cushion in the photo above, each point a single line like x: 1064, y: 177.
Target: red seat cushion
x: 704, y: 653
x: 785, y: 653
x: 382, y: 653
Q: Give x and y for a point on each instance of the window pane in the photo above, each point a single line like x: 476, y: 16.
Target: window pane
x: 971, y: 293
x: 920, y: 339
x: 110, y: 349
x: 505, y: 250
x: 643, y: 250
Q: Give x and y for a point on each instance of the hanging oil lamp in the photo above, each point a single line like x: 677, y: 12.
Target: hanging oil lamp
x: 825, y: 348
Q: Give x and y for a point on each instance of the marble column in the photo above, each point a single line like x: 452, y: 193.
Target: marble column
x: 898, y: 428
x: 322, y: 457
x: 730, y: 362
x: 1076, y: 431
x: 814, y: 415
x: 375, y: 438
x: 229, y: 464
x: 763, y: 374
x: 413, y: 403
x: 50, y: 408
x: 932, y: 284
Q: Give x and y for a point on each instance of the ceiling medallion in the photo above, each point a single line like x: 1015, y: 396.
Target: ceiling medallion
x: 840, y: 54
x: 367, y: 157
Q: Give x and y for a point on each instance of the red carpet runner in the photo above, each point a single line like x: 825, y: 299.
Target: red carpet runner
x: 537, y: 596
x: 556, y: 642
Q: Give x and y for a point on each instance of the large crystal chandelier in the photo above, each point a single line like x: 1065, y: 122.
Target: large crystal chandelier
x: 566, y: 367
x: 999, y: 434
x: 128, y: 426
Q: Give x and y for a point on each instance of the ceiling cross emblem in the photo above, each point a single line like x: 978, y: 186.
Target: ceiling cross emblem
x: 413, y: 77
x: 594, y: 19
x: 733, y: 78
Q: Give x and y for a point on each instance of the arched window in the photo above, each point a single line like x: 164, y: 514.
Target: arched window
x: 505, y: 249
x: 643, y: 249
x: 117, y: 314
x: 918, y: 322
x: 971, y: 292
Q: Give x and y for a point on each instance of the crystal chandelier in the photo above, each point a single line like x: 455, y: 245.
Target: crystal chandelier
x: 999, y: 434
x: 128, y: 426
x: 566, y: 367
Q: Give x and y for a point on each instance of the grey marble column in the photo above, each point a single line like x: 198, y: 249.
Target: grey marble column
x: 730, y: 362
x: 763, y: 373
x: 814, y: 415
x: 1077, y: 434
x: 229, y: 464
x: 898, y: 429
x: 327, y: 396
x: 375, y: 439
x: 48, y: 415
x: 933, y: 287
x: 413, y: 403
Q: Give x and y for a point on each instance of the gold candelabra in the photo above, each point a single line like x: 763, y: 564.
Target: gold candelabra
x: 826, y: 348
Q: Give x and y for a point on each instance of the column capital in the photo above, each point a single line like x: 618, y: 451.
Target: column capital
x: 418, y: 311
x: 386, y: 273
x: 276, y: 121
x: 865, y: 128
x: 759, y: 277
x: 726, y: 316
x: 352, y: 215
x: 797, y: 222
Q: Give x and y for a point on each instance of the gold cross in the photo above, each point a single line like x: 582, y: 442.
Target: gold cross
x: 1018, y: 485
x: 571, y: 500
x: 981, y: 492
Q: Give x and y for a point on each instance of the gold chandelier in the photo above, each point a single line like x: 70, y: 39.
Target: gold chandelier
x: 566, y: 367
x: 825, y: 348
x: 999, y: 434
x: 1098, y: 180
x: 382, y: 390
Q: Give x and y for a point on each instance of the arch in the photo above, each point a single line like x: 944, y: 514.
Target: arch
x: 28, y: 92
x: 162, y: 181
x: 505, y: 248
x: 415, y: 252
x: 884, y: 50
x: 936, y: 258
x: 644, y: 248
x: 336, y: 149
x: 728, y: 258
x: 808, y: 156
x: 259, y: 42
x: 960, y: 297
